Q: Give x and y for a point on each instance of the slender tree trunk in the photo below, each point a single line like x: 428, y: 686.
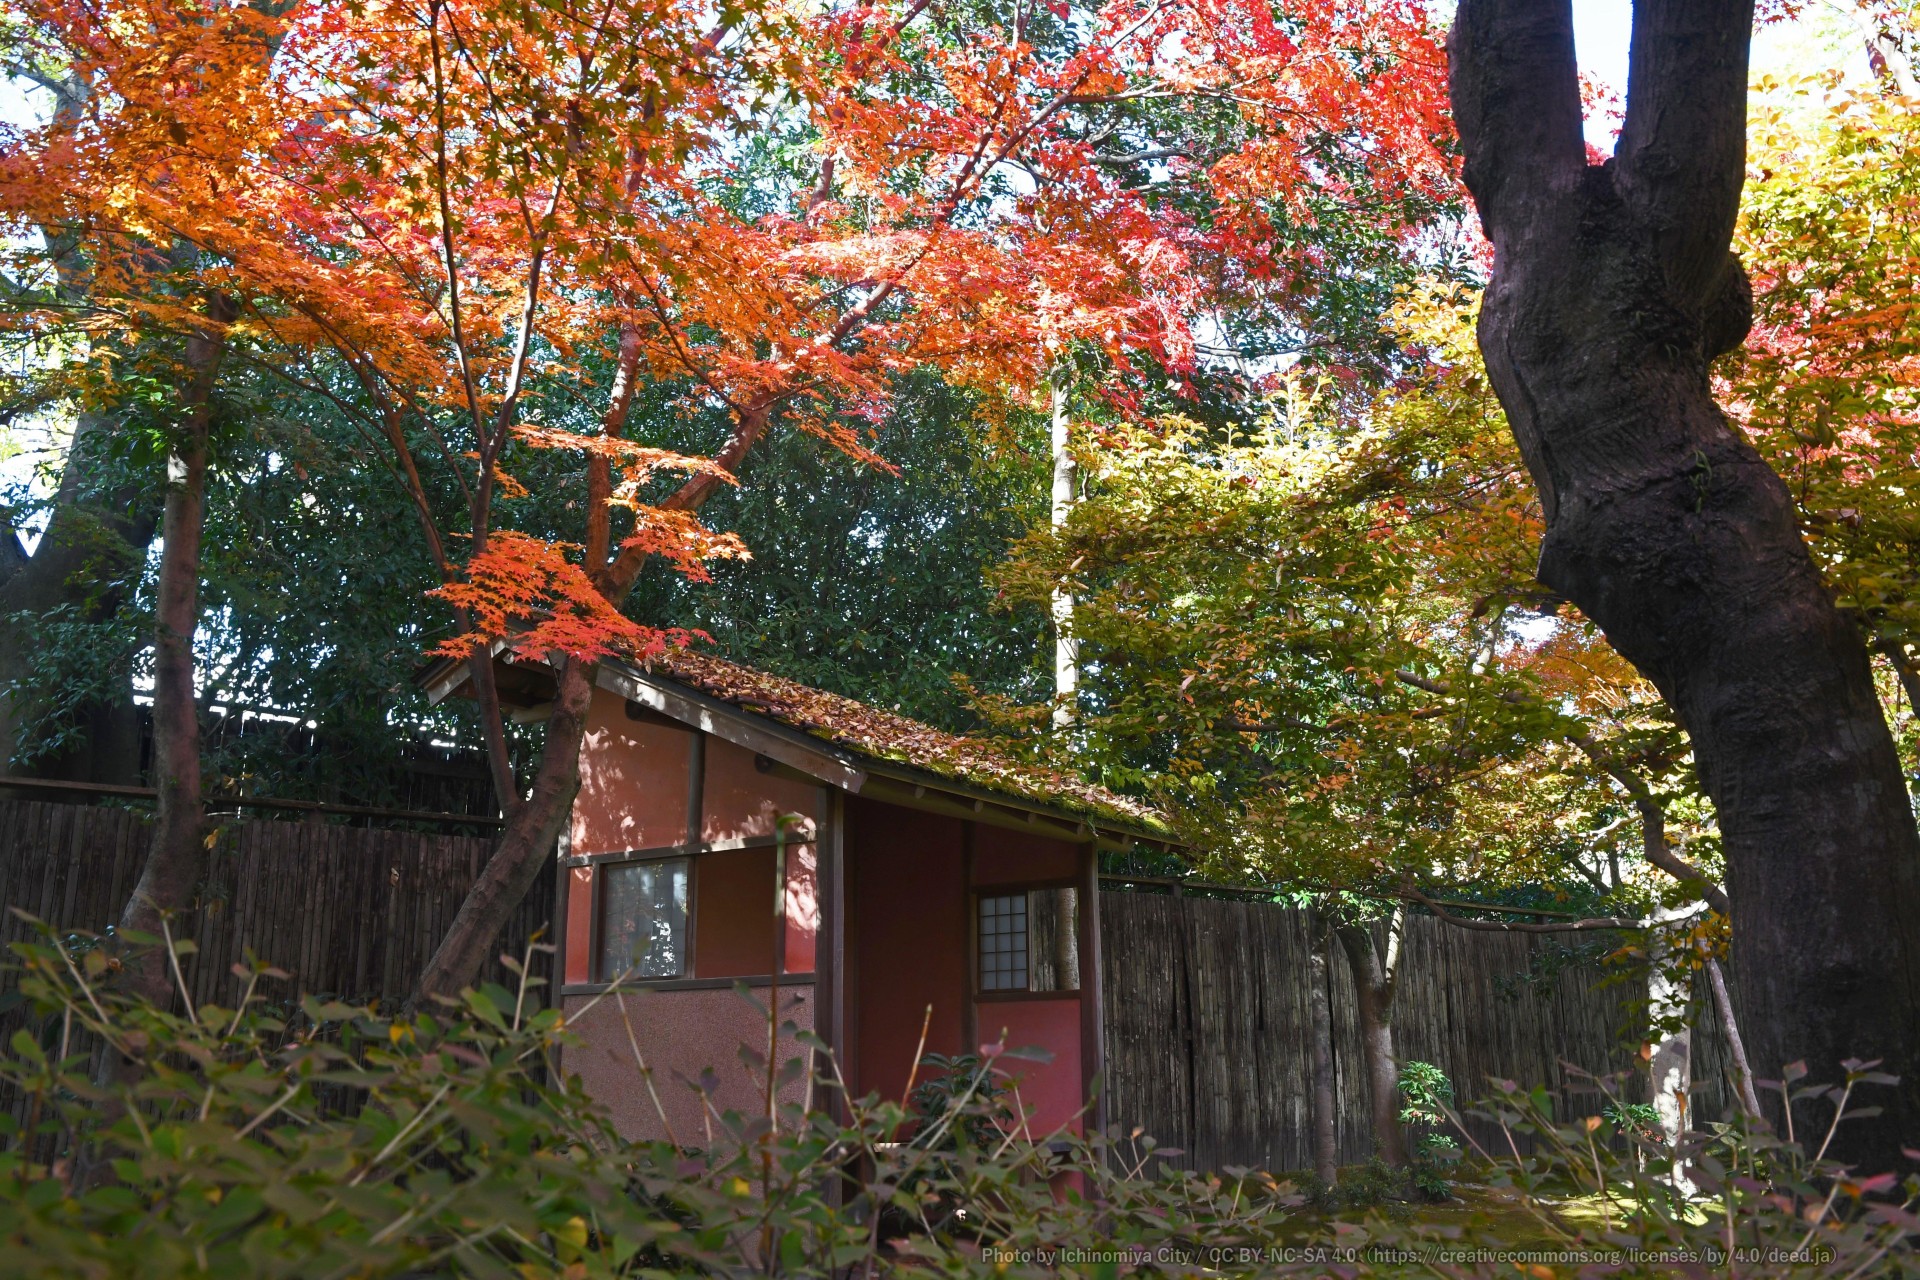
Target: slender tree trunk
x: 1374, y: 976
x: 1736, y: 1045
x: 1066, y: 478
x: 1326, y: 1143
x: 533, y: 823
x: 1066, y: 938
x: 524, y: 848
x: 1670, y: 1062
x: 177, y: 857
x: 1903, y: 669
x: 493, y: 732
x: 1612, y: 290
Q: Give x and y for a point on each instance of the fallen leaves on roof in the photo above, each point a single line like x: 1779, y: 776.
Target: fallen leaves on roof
x: 886, y: 735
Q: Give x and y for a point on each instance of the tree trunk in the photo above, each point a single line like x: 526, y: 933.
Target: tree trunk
x: 1326, y: 1145
x: 1670, y: 1063
x: 1374, y: 976
x: 1066, y: 938
x: 177, y: 856
x: 88, y: 560
x: 1612, y: 290
x: 524, y: 849
x: 1066, y: 478
x: 95, y: 544
x: 1736, y: 1043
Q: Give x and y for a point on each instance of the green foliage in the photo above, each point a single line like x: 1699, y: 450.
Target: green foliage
x: 1367, y: 1186
x: 1426, y: 1102
x: 1766, y: 1204
x: 1313, y: 630
x: 341, y: 1140
x: 74, y: 663
x: 346, y: 1141
x: 967, y: 1080
x: 1827, y: 385
x: 870, y: 584
x: 1426, y: 1095
x: 1639, y: 1120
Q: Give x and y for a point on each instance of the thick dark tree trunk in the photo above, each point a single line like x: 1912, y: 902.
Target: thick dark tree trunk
x: 1374, y: 976
x: 1613, y: 288
x: 94, y: 547
x: 1326, y: 1143
x: 87, y: 561
x: 177, y: 857
x: 525, y: 847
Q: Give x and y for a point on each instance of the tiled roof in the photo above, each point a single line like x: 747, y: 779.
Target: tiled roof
x: 887, y: 736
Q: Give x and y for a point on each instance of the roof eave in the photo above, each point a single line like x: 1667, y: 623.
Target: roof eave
x: 864, y: 765
x: 847, y: 768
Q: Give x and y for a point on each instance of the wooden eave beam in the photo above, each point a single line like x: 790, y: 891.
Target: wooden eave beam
x: 710, y: 715
x: 1106, y: 832
x: 930, y: 800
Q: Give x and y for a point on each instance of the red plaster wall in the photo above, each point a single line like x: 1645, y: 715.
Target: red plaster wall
x: 732, y: 916
x: 733, y: 912
x: 1001, y: 856
x: 907, y: 894
x: 579, y: 953
x: 633, y: 781
x: 681, y: 1033
x: 741, y: 801
x: 1049, y: 1091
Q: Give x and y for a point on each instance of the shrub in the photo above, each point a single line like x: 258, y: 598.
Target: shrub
x: 1426, y: 1104
x: 1764, y: 1205
x: 345, y: 1142
x: 348, y: 1142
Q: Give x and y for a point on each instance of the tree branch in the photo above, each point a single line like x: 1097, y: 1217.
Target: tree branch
x: 1412, y: 894
x: 1653, y: 826
x: 1682, y: 152
x: 1516, y: 102
x: 1653, y: 817
x: 1284, y: 722
x: 749, y: 425
x: 1896, y: 654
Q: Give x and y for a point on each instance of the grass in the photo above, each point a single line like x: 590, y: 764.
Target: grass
x: 1475, y: 1210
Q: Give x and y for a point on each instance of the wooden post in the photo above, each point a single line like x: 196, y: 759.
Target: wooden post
x: 830, y: 946
x: 969, y: 1011
x: 696, y: 823
x: 773, y: 973
x: 696, y: 787
x: 558, y: 929
x: 1093, y: 1048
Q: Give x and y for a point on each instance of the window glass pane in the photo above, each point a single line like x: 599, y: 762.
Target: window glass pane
x: 643, y: 923
x: 1003, y: 943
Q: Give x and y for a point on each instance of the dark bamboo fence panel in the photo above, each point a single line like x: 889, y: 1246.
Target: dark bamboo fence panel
x: 348, y: 912
x: 1207, y: 1024
x: 1714, y: 1097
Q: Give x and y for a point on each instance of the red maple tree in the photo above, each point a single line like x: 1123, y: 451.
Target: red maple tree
x: 448, y: 216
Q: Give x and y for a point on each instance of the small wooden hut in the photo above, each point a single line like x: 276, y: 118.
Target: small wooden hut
x: 917, y: 870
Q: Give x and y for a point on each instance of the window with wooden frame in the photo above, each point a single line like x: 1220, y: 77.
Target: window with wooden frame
x: 642, y: 919
x: 1027, y: 941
